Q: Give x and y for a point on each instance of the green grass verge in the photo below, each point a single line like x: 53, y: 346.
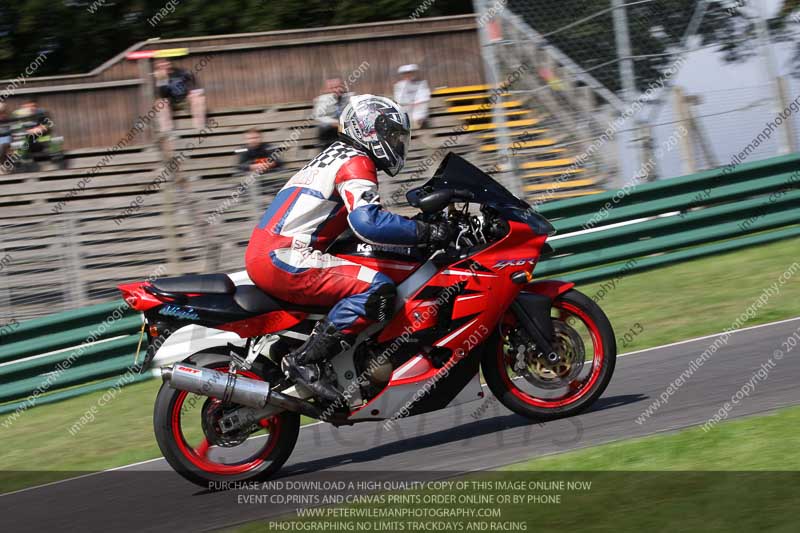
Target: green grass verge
x: 667, y: 482
x: 699, y: 297
x: 674, y: 303
x: 38, y: 447
x: 751, y: 443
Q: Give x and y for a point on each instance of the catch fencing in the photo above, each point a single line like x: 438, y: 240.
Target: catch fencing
x: 721, y: 70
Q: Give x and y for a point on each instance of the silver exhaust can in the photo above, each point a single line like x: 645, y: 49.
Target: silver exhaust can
x: 222, y: 385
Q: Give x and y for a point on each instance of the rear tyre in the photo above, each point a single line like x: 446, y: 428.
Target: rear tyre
x: 181, y: 421
x: 555, y: 399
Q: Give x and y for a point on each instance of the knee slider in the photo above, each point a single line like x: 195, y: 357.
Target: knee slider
x: 380, y: 304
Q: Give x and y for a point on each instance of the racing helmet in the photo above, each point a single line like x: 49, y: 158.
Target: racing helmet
x: 380, y: 127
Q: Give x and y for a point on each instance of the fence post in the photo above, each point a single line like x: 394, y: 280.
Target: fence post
x: 71, y: 251
x: 790, y: 136
x: 628, y: 79
x: 511, y: 179
x: 170, y: 228
x: 648, y: 152
x: 213, y: 248
x: 785, y: 141
x: 5, y: 294
x: 253, y: 192
x: 682, y: 111
x: 699, y: 134
x: 147, y: 94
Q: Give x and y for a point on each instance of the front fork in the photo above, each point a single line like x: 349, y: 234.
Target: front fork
x: 533, y: 313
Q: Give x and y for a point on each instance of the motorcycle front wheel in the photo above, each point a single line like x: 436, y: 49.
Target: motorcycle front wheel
x: 527, y: 383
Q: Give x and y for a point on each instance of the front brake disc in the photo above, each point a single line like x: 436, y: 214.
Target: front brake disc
x: 532, y: 365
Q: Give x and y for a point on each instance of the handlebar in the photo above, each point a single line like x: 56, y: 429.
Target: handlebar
x: 432, y: 201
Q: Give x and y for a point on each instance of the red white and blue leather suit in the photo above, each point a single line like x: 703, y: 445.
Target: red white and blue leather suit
x: 285, y: 256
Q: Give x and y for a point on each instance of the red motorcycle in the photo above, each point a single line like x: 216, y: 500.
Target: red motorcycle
x: 546, y: 351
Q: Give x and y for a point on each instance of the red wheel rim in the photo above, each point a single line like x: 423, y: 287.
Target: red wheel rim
x: 199, y: 455
x: 574, y: 394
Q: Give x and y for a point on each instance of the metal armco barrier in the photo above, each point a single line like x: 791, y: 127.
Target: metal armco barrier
x: 599, y: 237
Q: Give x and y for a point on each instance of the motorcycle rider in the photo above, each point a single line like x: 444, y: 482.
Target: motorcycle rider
x: 286, y: 253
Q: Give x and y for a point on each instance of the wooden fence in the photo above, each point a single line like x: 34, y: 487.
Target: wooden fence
x: 98, y: 108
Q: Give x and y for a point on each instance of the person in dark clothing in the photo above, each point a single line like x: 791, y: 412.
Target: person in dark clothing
x: 34, y: 121
x: 32, y: 125
x: 258, y: 157
x: 5, y: 136
x: 177, y: 87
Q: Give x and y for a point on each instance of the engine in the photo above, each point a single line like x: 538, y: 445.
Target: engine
x: 375, y: 364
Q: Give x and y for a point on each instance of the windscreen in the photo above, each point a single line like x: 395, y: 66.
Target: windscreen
x: 455, y: 172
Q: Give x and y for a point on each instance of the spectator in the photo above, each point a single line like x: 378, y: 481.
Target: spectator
x: 177, y: 86
x: 327, y: 109
x: 413, y: 95
x: 33, y: 124
x: 258, y: 156
x: 5, y: 135
x: 33, y: 139
x: 553, y: 81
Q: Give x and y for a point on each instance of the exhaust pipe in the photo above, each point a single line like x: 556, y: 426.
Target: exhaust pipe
x: 233, y: 388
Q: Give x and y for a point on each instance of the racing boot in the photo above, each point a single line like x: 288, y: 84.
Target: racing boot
x: 302, y: 365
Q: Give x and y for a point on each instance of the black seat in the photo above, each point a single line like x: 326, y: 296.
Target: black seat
x: 254, y: 300
x: 196, y: 284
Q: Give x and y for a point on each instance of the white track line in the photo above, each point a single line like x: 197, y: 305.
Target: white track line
x: 712, y: 336
x: 483, y: 385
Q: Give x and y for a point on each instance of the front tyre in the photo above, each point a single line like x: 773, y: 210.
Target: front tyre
x: 530, y: 385
x: 185, y: 430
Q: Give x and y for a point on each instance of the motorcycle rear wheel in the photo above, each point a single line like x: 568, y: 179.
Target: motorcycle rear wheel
x: 189, y: 451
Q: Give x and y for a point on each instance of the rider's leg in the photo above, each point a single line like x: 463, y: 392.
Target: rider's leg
x: 336, y: 332
x: 358, y: 296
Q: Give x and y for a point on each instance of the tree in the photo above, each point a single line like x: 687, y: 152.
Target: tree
x: 584, y: 30
x: 782, y: 28
x: 78, y: 35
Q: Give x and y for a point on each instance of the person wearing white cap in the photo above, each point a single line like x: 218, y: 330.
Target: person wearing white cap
x: 413, y: 95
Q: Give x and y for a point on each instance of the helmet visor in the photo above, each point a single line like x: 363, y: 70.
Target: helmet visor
x: 396, y: 138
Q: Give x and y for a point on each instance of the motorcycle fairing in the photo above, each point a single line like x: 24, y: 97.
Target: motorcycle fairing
x: 475, y: 303
x: 552, y: 288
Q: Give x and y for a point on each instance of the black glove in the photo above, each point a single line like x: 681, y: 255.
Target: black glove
x: 436, y: 234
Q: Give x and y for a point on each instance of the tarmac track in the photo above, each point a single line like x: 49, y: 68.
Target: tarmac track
x: 150, y: 497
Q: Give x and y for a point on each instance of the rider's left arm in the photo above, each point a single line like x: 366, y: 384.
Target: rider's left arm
x: 357, y: 184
